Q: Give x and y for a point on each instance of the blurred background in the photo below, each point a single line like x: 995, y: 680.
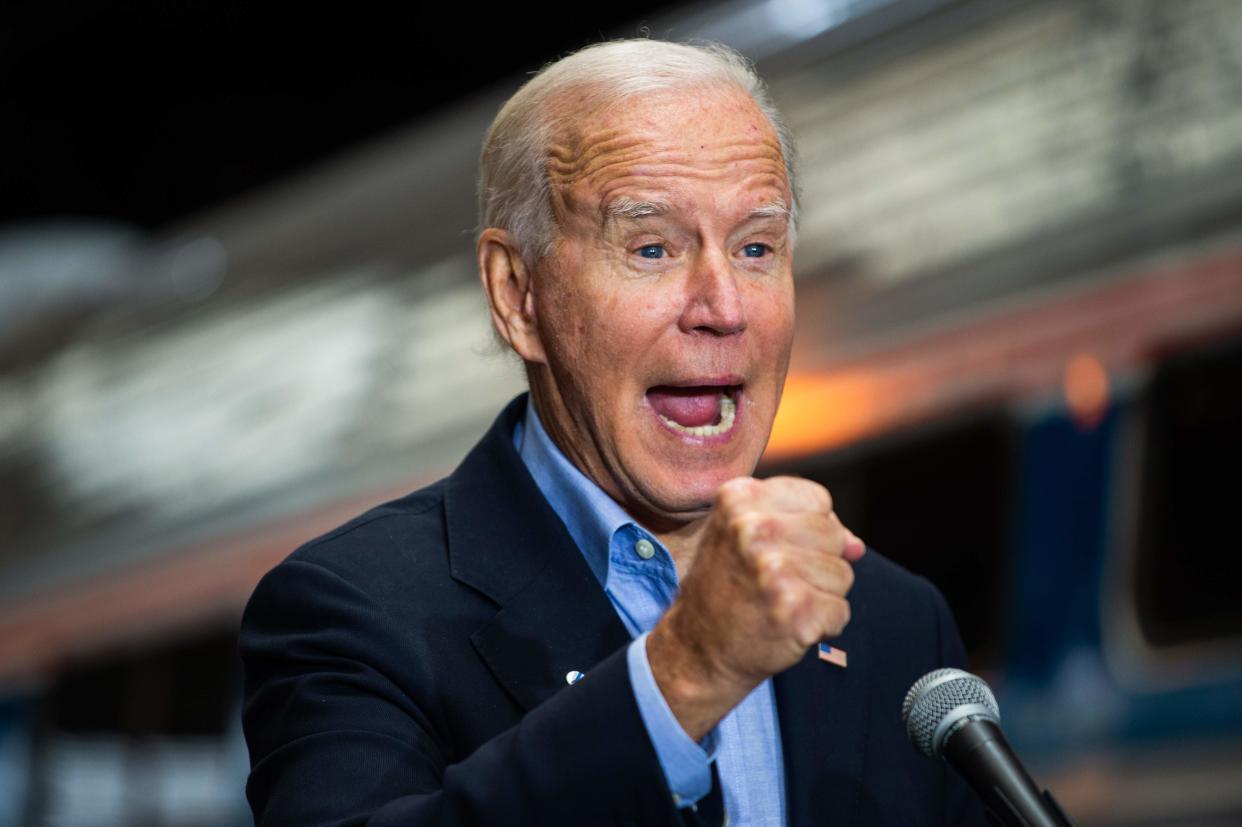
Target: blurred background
x: 238, y: 306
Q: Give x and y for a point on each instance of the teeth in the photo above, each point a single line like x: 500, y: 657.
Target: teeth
x: 728, y: 410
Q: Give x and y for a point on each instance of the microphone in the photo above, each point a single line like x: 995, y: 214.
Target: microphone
x: 952, y: 714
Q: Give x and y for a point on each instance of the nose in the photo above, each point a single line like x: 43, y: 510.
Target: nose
x: 713, y: 299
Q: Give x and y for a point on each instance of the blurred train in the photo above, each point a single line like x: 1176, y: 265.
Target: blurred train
x: 1018, y: 368
x: 1073, y: 499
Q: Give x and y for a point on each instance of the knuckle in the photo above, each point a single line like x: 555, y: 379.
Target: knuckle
x: 809, y: 492
x: 769, y: 568
x: 740, y: 527
x: 824, y: 499
x: 844, y: 613
x: 830, y: 577
x: 834, y: 616
x: 750, y: 526
x: 735, y: 492
x: 840, y: 535
x: 786, y: 603
x: 846, y: 574
x: 805, y: 633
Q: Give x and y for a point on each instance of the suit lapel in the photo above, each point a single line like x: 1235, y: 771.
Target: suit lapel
x: 822, y: 722
x: 558, y: 625
x: 506, y: 541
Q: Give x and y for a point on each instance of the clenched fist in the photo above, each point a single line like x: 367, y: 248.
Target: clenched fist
x: 768, y: 581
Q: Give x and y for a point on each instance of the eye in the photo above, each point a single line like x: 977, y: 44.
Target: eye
x: 651, y: 251
x: 756, y: 250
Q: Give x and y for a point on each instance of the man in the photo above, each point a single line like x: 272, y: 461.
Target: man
x: 601, y: 618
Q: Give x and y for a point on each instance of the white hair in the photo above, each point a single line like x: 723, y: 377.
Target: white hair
x: 514, y: 187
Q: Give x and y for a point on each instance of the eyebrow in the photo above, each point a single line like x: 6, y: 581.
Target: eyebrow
x: 773, y: 209
x: 623, y: 207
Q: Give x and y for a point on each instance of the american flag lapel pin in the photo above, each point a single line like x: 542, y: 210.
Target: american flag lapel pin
x: 832, y: 654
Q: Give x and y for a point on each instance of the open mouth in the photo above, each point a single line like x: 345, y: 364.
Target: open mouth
x: 698, y: 410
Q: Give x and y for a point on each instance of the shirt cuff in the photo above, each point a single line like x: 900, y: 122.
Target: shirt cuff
x: 687, y: 765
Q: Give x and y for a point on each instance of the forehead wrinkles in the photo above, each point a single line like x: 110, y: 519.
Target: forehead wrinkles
x: 585, y: 170
x: 699, y: 132
x: 707, y: 159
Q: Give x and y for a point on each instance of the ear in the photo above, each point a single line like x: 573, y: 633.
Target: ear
x: 507, y: 283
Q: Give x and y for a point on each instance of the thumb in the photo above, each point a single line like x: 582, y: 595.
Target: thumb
x: 854, y: 547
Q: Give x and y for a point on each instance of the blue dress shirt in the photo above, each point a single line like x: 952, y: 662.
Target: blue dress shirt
x: 640, y: 579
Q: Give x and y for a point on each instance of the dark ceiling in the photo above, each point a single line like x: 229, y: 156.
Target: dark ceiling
x: 149, y: 110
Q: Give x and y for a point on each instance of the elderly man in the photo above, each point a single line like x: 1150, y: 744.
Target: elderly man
x: 600, y: 618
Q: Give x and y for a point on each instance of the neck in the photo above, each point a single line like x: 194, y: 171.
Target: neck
x: 679, y: 536
x: 682, y: 543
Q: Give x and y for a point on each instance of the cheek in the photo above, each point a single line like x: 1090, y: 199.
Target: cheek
x: 578, y: 330
x: 604, y: 329
x: 772, y: 321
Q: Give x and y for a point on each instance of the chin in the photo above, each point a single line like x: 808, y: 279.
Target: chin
x: 688, y: 495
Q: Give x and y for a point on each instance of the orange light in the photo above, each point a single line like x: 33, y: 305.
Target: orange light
x: 1086, y: 389
x: 821, y: 412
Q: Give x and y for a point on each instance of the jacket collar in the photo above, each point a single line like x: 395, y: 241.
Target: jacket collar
x: 505, y: 541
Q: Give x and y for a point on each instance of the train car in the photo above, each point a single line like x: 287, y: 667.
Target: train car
x: 1018, y: 368
x: 1062, y: 472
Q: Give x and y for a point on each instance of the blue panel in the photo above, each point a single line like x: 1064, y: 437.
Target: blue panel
x: 15, y: 745
x: 1063, y: 472
x: 1057, y: 695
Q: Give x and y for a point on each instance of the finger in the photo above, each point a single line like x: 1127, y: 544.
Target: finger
x: 776, y: 494
x: 792, y: 604
x: 854, y: 547
x: 835, y: 616
x: 814, y: 616
x: 812, y: 530
x: 824, y: 573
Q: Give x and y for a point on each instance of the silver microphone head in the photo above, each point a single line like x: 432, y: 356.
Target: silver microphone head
x: 940, y: 703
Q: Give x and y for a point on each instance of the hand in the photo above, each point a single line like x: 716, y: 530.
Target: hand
x: 768, y: 581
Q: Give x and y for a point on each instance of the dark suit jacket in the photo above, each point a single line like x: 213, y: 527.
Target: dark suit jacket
x: 409, y: 668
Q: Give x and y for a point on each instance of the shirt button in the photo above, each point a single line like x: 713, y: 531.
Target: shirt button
x: 644, y: 549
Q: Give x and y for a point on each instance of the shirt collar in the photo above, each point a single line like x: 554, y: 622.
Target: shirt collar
x: 591, y: 516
